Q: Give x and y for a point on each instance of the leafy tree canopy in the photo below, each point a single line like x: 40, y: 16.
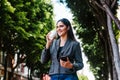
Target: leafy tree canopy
x: 23, y: 27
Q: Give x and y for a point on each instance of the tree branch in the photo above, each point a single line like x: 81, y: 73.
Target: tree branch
x: 108, y: 11
x: 95, y: 2
x: 113, y: 3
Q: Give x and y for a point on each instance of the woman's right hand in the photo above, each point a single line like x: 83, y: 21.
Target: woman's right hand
x: 49, y: 41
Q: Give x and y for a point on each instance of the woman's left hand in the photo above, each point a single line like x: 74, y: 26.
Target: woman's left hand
x: 66, y: 64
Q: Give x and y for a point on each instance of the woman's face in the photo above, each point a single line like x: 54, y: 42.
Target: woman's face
x: 61, y: 29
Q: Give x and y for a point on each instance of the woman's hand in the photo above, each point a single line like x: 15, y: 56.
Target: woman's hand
x: 49, y: 41
x: 66, y: 64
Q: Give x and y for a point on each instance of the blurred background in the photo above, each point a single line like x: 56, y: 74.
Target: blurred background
x: 25, y: 23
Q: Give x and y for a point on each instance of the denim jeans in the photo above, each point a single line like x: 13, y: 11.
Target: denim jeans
x: 64, y: 77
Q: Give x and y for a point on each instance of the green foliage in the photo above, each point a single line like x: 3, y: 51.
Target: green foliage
x: 116, y: 32
x: 23, y: 27
x: 82, y: 77
x: 96, y: 58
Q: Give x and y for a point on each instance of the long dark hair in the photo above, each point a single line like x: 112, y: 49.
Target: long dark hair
x: 68, y: 24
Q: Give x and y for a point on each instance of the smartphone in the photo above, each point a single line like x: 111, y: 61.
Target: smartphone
x: 64, y: 58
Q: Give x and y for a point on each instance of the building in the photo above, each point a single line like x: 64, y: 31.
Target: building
x: 19, y: 73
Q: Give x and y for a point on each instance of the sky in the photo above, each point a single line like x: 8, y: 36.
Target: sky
x: 61, y: 11
x: 118, y: 15
x: 119, y: 2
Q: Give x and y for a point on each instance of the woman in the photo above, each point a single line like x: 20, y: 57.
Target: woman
x: 64, y: 53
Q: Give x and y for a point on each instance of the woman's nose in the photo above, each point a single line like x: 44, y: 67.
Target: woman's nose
x: 58, y: 28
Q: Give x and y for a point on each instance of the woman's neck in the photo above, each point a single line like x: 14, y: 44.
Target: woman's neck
x: 63, y: 41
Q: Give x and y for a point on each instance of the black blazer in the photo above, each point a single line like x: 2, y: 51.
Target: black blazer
x: 71, y: 49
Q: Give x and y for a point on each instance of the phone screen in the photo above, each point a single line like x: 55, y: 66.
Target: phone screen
x: 64, y: 58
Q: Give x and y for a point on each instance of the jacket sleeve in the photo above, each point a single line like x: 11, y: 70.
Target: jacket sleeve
x: 45, y: 56
x: 78, y: 63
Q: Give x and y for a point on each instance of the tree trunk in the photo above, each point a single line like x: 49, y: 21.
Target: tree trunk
x: 11, y: 66
x: 11, y: 74
x: 115, y: 49
x: 5, y: 68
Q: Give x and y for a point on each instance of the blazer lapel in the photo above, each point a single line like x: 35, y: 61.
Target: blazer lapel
x: 66, y: 47
x: 57, y: 44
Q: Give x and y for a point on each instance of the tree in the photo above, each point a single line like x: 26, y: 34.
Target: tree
x: 82, y: 77
x: 95, y: 19
x: 23, y: 26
